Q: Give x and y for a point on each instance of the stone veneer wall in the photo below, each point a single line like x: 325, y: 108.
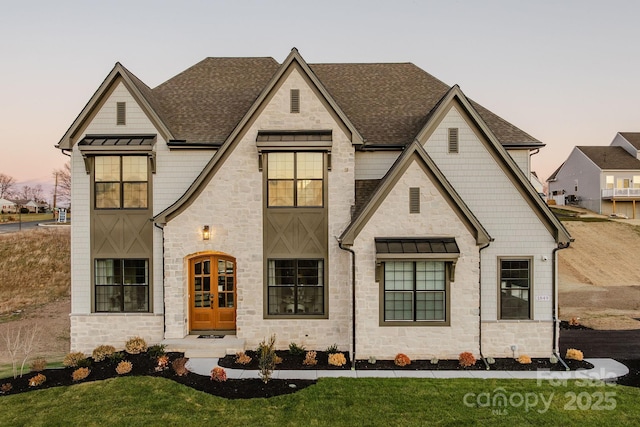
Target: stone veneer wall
x: 435, y: 219
x: 232, y: 205
x: 531, y: 338
x: 88, y: 331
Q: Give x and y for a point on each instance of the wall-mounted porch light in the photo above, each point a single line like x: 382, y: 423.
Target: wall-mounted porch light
x: 205, y: 233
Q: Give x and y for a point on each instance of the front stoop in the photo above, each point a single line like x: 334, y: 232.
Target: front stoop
x: 194, y: 347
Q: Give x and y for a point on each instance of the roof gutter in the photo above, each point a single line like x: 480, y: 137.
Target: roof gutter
x: 353, y: 302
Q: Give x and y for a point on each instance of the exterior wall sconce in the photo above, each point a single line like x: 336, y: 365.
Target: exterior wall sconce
x: 205, y: 233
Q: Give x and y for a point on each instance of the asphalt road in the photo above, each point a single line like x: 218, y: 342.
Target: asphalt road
x: 593, y: 343
x: 14, y: 226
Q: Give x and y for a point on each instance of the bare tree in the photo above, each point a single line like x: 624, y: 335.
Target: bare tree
x: 25, y: 192
x: 62, y: 190
x: 6, y: 185
x: 19, y: 342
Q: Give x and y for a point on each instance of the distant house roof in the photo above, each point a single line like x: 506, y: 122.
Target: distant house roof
x: 607, y: 157
x: 633, y: 138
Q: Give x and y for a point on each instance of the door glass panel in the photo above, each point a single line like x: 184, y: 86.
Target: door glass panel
x: 230, y: 300
x: 221, y: 300
x: 221, y: 267
x: 207, y: 268
x: 206, y: 301
x: 198, y: 284
x: 197, y: 300
x: 198, y: 268
x: 229, y: 284
x: 229, y: 267
x: 207, y: 283
x: 220, y: 283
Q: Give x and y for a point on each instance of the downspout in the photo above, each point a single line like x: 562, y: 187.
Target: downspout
x: 164, y: 307
x: 353, y: 302
x: 554, y: 301
x: 480, y: 303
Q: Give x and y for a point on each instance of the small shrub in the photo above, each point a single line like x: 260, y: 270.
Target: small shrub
x: 180, y: 366
x: 574, y: 321
x: 6, y: 387
x: 401, y: 359
x: 135, y: 345
x: 491, y: 361
x: 466, y: 359
x: 333, y: 349
x: 310, y: 359
x: 553, y: 359
x: 277, y: 359
x: 296, y: 350
x: 524, y: 359
x: 163, y: 363
x: 80, y: 374
x: 266, y: 358
x: 38, y: 364
x: 102, y: 352
x: 37, y: 380
x: 372, y: 360
x: 124, y: 367
x: 73, y: 360
x: 218, y: 374
x: 157, y: 350
x: 116, y: 357
x: 434, y: 361
x: 574, y: 354
x: 242, y: 358
x: 337, y: 359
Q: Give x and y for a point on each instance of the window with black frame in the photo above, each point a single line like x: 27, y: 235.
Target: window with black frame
x: 121, y: 285
x: 515, y: 289
x: 295, y: 287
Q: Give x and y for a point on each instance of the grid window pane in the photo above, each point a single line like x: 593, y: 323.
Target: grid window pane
x: 280, y: 193
x: 134, y: 168
x: 309, y: 193
x: 107, y: 195
x: 515, y: 289
x: 415, y: 291
x: 122, y: 285
x: 280, y: 165
x: 135, y: 195
x: 309, y: 166
x: 295, y: 286
x: 107, y: 168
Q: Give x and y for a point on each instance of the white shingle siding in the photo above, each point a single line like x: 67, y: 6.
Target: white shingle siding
x: 374, y: 164
x: 509, y: 219
x: 437, y: 218
x: 234, y: 193
x: 522, y: 159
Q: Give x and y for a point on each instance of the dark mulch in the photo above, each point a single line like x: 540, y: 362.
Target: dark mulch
x: 502, y: 364
x: 143, y: 364
x: 566, y: 326
x: 289, y: 361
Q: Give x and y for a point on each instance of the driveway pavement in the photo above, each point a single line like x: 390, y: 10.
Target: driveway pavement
x: 593, y: 343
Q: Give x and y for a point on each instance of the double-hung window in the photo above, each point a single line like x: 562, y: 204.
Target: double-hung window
x: 121, y: 182
x: 122, y: 285
x: 296, y: 286
x: 515, y: 288
x: 415, y: 291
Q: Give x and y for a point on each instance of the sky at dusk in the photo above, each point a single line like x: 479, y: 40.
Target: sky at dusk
x: 566, y: 72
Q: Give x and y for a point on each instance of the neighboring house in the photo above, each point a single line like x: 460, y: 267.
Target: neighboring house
x: 604, y: 179
x: 323, y: 203
x: 537, y: 184
x: 7, y: 206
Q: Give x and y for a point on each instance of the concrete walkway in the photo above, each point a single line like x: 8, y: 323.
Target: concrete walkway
x: 603, y: 369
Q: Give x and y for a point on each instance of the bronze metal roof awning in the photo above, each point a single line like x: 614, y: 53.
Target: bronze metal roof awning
x: 117, y: 141
x: 427, y: 247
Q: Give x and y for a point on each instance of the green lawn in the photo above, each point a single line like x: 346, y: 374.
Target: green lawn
x: 147, y: 401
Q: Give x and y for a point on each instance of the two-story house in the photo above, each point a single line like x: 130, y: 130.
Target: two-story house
x: 367, y: 205
x: 604, y: 179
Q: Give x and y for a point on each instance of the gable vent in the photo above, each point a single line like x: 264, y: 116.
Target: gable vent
x: 414, y: 200
x: 121, y: 113
x: 453, y: 140
x: 295, y: 100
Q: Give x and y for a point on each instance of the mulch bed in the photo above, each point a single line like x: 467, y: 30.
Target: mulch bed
x: 143, y: 364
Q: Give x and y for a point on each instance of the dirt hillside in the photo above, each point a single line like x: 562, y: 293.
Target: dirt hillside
x: 599, y: 275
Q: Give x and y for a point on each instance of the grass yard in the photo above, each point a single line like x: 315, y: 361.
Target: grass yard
x: 34, y: 268
x: 142, y: 401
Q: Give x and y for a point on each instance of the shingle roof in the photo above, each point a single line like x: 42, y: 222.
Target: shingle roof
x: 607, y: 157
x: 633, y: 138
x: 387, y: 102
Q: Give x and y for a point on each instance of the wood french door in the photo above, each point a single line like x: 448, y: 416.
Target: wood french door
x: 212, y: 293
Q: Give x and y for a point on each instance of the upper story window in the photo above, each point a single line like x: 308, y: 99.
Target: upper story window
x: 609, y: 183
x: 295, y: 179
x: 121, y: 182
